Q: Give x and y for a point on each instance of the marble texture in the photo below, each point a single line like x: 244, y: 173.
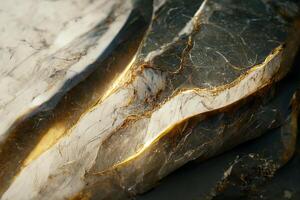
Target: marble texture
x: 137, y: 96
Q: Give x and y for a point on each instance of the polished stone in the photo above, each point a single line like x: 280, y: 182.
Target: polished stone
x: 149, y: 94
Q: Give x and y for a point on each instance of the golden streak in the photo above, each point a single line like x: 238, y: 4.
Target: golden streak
x: 149, y: 143
x: 48, y: 140
x: 59, y: 129
x: 145, y: 146
x: 121, y: 79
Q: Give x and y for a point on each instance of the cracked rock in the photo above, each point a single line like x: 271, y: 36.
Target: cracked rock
x: 138, y: 91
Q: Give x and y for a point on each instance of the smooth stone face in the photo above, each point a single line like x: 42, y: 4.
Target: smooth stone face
x: 169, y: 20
x: 46, y: 124
x: 191, y: 91
x: 45, y: 45
x: 228, y: 39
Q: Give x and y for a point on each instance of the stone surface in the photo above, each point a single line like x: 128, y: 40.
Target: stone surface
x: 46, y: 44
x: 198, y: 180
x: 201, y: 82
